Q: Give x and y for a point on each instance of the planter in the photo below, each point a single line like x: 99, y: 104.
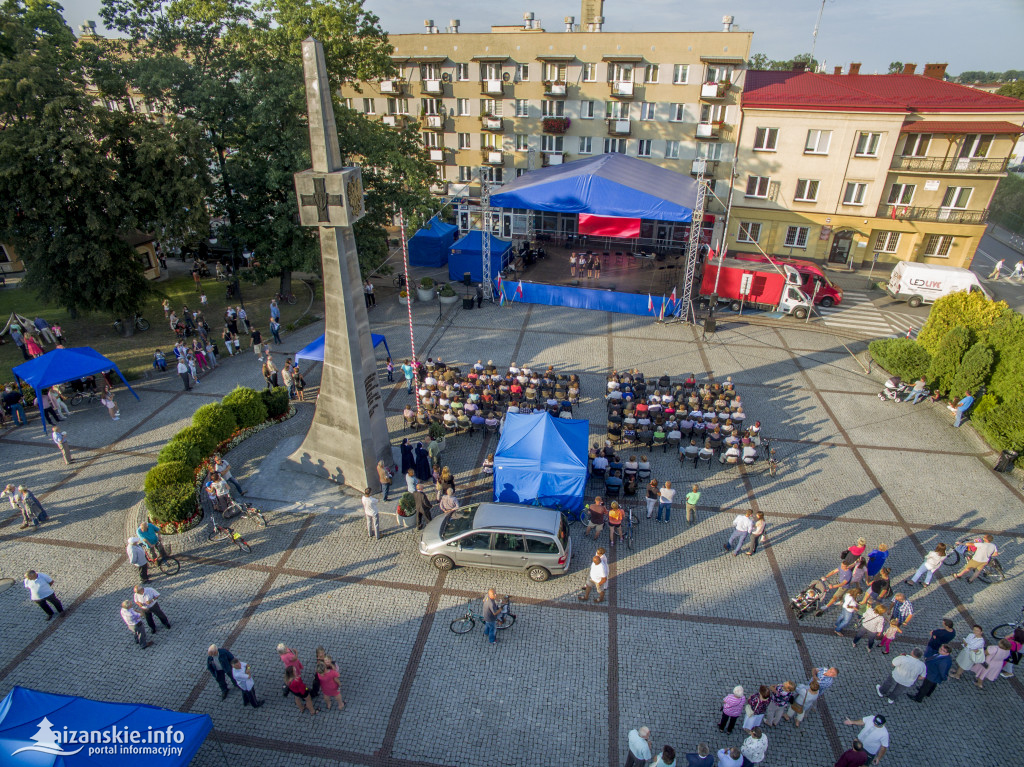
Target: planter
x: 405, y: 522
x: 448, y: 300
x: 403, y: 300
x: 425, y: 294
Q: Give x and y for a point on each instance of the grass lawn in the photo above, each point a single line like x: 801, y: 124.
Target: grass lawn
x: 134, y: 354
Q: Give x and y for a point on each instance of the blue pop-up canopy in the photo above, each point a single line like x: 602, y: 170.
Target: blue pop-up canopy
x: 541, y: 457
x: 315, y: 350
x: 429, y: 246
x: 605, y: 185
x: 37, y: 728
x: 467, y: 256
x: 62, y: 365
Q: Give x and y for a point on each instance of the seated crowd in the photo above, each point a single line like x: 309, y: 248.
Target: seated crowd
x: 478, y: 398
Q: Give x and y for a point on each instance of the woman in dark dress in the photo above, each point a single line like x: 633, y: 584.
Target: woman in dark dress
x: 408, y: 461
x: 423, y: 472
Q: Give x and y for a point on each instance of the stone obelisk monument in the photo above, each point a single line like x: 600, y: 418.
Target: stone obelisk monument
x: 349, y: 430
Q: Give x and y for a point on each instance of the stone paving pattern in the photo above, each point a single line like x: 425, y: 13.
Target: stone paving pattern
x: 683, y: 623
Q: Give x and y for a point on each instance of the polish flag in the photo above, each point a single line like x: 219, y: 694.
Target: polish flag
x: 672, y: 298
x: 650, y: 304
x: 519, y: 289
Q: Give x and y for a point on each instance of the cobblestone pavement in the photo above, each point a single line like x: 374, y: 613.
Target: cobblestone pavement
x: 683, y: 623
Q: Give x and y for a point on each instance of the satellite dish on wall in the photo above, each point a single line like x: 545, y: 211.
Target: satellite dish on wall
x: 506, y: 77
x: 446, y: 77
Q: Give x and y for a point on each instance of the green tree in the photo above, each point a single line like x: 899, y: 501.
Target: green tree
x: 77, y: 179
x: 1007, y: 339
x: 946, y: 362
x: 895, y: 67
x: 970, y: 310
x: 759, y: 61
x: 974, y: 369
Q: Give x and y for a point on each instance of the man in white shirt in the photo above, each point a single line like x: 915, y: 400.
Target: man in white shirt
x: 666, y: 495
x: 639, y: 747
x: 183, y: 373
x: 40, y: 589
x: 600, y: 463
x: 743, y: 523
x: 598, y: 580
x: 372, y: 514
x: 874, y: 736
x: 906, y: 670
x: 732, y: 455
x: 133, y: 620
x: 242, y: 675
x: 749, y: 454
x: 984, y: 551
x: 755, y: 747
x: 146, y: 603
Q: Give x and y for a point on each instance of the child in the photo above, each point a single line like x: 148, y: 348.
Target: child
x: 107, y: 400
x: 889, y: 634
x: 159, y: 361
x: 202, y: 299
x: 488, y: 466
x: 391, y: 371
x: 192, y: 368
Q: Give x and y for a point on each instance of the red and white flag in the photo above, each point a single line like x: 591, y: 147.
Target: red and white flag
x: 519, y: 289
x: 650, y: 304
x: 672, y: 298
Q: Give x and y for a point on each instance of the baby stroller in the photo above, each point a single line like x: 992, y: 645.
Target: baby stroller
x: 894, y: 390
x: 807, y: 600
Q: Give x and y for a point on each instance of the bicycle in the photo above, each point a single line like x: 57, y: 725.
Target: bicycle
x: 218, y: 533
x: 140, y: 323
x: 773, y: 463
x: 168, y: 565
x: 1004, y: 630
x: 991, y: 573
x: 466, y: 623
x: 246, y: 511
x: 85, y: 396
x: 287, y: 298
x: 399, y: 280
x: 631, y: 522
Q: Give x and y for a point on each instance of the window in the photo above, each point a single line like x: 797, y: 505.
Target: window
x: 431, y: 140
x: 491, y: 174
x: 620, y: 73
x: 552, y: 108
x: 551, y: 143
x: 976, y: 145
x: 806, y: 190
x: 615, y: 145
x: 643, y: 148
x: 520, y: 171
x: 522, y: 108
x: 749, y: 232
x: 508, y: 542
x: 586, y: 145
x: 680, y: 74
x: 462, y: 107
x: 766, y: 139
x: 398, y: 106
x: 677, y: 112
x: 671, y: 150
x: 554, y: 73
x: 535, y: 544
x: 464, y: 141
x: 465, y: 173
x: 490, y: 141
x: 718, y: 74
x: 522, y: 72
x: 647, y: 110
x: 369, y: 106
x: 796, y: 236
x: 887, y: 242
x: 617, y: 109
x: 430, y: 106
x: 902, y: 194
x: 490, y: 70
x: 490, y: 107
x: 651, y: 73
x: 346, y: 101
x: 522, y: 142
x: 430, y: 72
x: 854, y: 194
x: 587, y: 110
x: 590, y: 73
x: 818, y: 141
x: 462, y: 72
x: 867, y: 144
x: 938, y: 245
x: 917, y: 145
x: 757, y: 186
x: 711, y: 113
x: 957, y: 196
x: 711, y: 151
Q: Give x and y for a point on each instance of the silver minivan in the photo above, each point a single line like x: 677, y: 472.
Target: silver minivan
x: 501, y: 536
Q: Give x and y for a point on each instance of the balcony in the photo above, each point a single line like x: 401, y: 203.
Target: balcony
x: 394, y: 121
x: 554, y: 88
x: 436, y: 154
x: 551, y: 158
x: 714, y: 91
x: 493, y: 157
x: 555, y: 124
x: 433, y: 87
x: 491, y: 123
x: 439, y: 187
x: 709, y: 130
x: 949, y: 165
x: 391, y: 87
x: 618, y: 126
x: 433, y: 122
x: 492, y: 87
x: 710, y: 166
x: 622, y: 90
x: 941, y: 215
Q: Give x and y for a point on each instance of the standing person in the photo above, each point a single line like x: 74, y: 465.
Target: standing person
x: 275, y: 310
x: 327, y: 675
x: 256, y: 342
x: 1018, y: 270
x: 491, y: 609
x: 137, y: 557
x: 901, y: 609
x: 994, y: 274
x: 288, y: 378
x: 384, y: 476
x: 1016, y: 640
x: 299, y: 382
x: 933, y: 560
x: 423, y: 471
x: 146, y: 603
x: 60, y: 439
x: 692, y: 499
x: 303, y: 697
x: 973, y: 652
x: 133, y: 620
x: 876, y: 561
x: 40, y: 589
x: 888, y: 635
x: 871, y: 626
x: 33, y: 347
x: 597, y: 579
x: 756, y: 533
x: 371, y: 299
x: 667, y: 757
x: 730, y: 757
x: 598, y: 515
x: 962, y: 407
x: 12, y: 401
x: 167, y: 309
x: 390, y: 366
x: 372, y: 514
x: 640, y: 747
x: 19, y: 341
x: 228, y: 343
x: 423, y: 505
x: 995, y: 656
x: 242, y: 674
x: 49, y: 408
x: 58, y: 403
x: 732, y: 706
x: 906, y: 670
x: 183, y: 373
x: 805, y: 698
x: 874, y: 736
x: 107, y: 400
x: 938, y: 667
x: 757, y: 705
x: 781, y: 696
x: 855, y: 756
x: 223, y: 468
x: 743, y: 524
x: 43, y: 328
x: 940, y: 636
x: 409, y: 374
x: 479, y: 295
x: 20, y: 503
x: 653, y: 494
x: 851, y: 603
x: 880, y: 588
x: 243, y: 317
x: 616, y: 516
x: 275, y: 330
x: 270, y: 372
x: 983, y: 552
x: 665, y: 498
x: 702, y: 758
x: 218, y: 663
x: 754, y: 747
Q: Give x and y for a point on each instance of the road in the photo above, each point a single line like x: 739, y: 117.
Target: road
x: 991, y: 250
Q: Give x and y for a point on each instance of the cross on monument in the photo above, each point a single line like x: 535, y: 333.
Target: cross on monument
x: 349, y: 430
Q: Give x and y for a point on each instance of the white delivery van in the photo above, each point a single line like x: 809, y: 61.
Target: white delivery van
x: 925, y: 283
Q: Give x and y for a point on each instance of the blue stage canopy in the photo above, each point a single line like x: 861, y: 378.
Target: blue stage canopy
x: 606, y: 185
x: 467, y: 256
x: 37, y: 728
x: 429, y: 246
x: 544, y: 458
x: 315, y: 350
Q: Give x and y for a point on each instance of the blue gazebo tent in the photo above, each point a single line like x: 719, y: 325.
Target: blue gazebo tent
x: 467, y: 256
x: 430, y: 245
x: 315, y: 350
x: 541, y: 457
x: 38, y: 728
x: 62, y: 365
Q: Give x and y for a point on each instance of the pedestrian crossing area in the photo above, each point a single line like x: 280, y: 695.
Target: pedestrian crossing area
x: 857, y: 314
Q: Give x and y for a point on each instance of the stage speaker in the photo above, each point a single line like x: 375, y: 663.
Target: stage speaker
x: 467, y: 279
x: 710, y: 324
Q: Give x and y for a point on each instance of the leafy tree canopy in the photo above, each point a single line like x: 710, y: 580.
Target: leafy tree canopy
x: 763, y: 62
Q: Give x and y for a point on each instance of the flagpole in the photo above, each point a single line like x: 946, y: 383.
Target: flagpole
x: 408, y: 305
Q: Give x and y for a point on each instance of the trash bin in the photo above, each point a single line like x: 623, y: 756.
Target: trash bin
x: 1006, y: 459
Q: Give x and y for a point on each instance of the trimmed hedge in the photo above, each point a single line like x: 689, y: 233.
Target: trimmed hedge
x: 187, y: 453
x: 946, y: 361
x: 204, y: 439
x: 217, y: 420
x: 172, y: 503
x: 902, y: 357
x: 168, y: 473
x: 974, y: 369
x: 276, y: 401
x: 247, y: 406
x: 1003, y: 426
x: 968, y: 310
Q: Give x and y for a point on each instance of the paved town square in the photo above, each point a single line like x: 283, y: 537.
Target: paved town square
x: 683, y: 624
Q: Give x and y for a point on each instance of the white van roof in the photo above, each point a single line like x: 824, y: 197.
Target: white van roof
x: 903, y: 265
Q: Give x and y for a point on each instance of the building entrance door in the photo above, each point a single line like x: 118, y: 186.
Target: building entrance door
x: 841, y: 244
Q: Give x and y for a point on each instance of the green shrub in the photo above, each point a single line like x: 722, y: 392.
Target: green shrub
x: 984, y: 405
x: 172, y: 503
x: 447, y: 291
x: 275, y: 400
x: 427, y: 283
x: 216, y: 419
x: 187, y: 453
x: 946, y: 361
x: 968, y: 310
x: 203, y: 438
x: 247, y: 407
x: 974, y: 369
x: 1002, y: 426
x: 1006, y: 337
x: 406, y: 505
x: 902, y: 357
x: 169, y: 473
x: 436, y: 431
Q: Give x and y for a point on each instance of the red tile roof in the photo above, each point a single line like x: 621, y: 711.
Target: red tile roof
x: 957, y: 126
x: 868, y: 93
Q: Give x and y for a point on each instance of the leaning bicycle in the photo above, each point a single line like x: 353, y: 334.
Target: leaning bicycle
x: 220, y: 533
x: 1004, y: 630
x: 168, y: 564
x: 465, y: 624
x: 245, y: 511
